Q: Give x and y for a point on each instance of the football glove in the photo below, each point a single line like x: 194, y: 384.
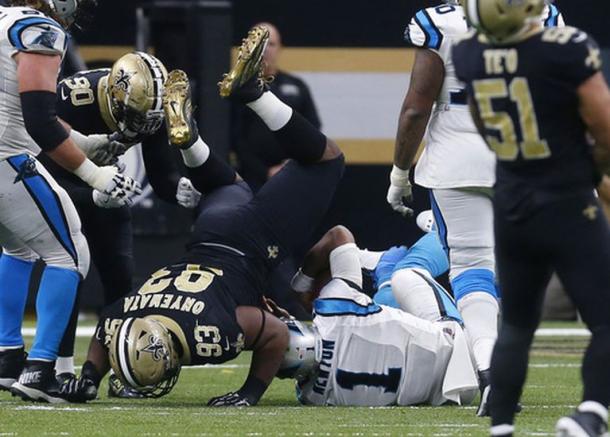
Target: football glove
x: 187, y: 196
x: 103, y: 200
x: 232, y: 399
x: 101, y: 149
x: 78, y: 390
x: 108, y: 180
x: 400, y: 191
x: 116, y: 389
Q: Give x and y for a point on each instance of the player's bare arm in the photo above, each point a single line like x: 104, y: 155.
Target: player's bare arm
x: 426, y: 83
x: 267, y: 336
x: 37, y: 77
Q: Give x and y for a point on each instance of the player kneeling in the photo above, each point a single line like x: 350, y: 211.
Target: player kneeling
x: 358, y: 352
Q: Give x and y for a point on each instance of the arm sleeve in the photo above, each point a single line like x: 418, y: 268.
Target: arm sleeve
x: 161, y: 166
x: 37, y: 35
x: 423, y: 33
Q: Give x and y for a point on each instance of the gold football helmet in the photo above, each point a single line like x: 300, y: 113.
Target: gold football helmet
x: 503, y: 21
x: 143, y: 355
x: 134, y: 92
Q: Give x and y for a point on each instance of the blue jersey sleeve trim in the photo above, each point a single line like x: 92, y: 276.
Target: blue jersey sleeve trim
x: 15, y: 31
x: 344, y: 307
x: 434, y: 37
x: 553, y: 18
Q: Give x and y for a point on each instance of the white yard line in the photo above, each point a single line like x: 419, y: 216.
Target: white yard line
x: 88, y: 331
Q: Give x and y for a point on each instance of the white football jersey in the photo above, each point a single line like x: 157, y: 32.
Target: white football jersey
x: 455, y: 155
x: 22, y: 30
x: 373, y: 355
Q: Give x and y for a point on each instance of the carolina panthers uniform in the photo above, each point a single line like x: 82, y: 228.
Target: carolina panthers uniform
x: 546, y: 215
x: 373, y: 355
x: 459, y: 170
x: 194, y: 302
x: 37, y: 218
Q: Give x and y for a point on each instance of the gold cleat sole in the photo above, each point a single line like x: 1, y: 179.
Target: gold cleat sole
x: 249, y: 61
x: 177, y: 108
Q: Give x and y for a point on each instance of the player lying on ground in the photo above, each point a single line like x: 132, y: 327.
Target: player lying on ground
x: 206, y: 308
x: 358, y: 352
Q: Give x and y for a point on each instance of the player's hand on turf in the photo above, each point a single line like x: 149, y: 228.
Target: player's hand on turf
x: 187, y: 195
x: 229, y: 400
x: 78, y: 390
x: 400, y: 192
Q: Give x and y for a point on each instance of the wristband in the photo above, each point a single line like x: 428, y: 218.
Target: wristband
x: 399, y: 176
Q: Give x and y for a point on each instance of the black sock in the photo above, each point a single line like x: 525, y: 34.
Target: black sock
x: 508, y: 372
x: 595, y: 374
x: 213, y: 173
x: 301, y: 140
x: 66, y: 347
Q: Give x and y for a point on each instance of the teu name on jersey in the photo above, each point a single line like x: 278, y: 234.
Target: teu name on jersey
x: 163, y: 301
x: 501, y: 61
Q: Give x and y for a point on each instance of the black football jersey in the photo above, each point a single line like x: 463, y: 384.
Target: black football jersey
x: 526, y: 95
x: 194, y: 302
x: 78, y: 104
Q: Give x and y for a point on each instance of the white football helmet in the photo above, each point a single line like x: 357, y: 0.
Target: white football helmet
x: 78, y: 12
x: 300, y: 357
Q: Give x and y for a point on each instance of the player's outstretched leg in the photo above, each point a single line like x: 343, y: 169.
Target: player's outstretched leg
x: 206, y: 170
x: 245, y: 83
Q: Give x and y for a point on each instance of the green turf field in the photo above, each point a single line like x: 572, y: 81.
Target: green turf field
x: 553, y: 389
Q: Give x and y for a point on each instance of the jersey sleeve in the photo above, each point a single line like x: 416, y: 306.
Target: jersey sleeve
x: 422, y: 32
x: 38, y: 35
x: 579, y: 59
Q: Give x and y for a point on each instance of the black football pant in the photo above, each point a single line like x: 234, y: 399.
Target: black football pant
x: 571, y: 237
x: 109, y: 234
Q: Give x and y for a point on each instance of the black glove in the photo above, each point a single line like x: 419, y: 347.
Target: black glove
x: 116, y: 389
x: 229, y: 400
x: 78, y: 390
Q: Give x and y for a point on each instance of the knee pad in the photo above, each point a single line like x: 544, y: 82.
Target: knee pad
x: 464, y: 259
x: 472, y: 281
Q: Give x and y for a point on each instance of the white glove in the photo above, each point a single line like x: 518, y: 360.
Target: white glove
x: 400, y: 191
x: 102, y: 200
x: 186, y: 194
x: 108, y: 180
x: 100, y: 148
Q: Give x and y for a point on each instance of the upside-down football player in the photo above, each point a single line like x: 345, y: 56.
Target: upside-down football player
x: 206, y: 308
x: 358, y: 352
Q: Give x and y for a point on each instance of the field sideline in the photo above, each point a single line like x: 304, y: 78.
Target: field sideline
x: 553, y: 389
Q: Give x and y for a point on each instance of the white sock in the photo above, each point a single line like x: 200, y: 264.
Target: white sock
x: 64, y: 365
x: 196, y: 155
x: 502, y: 429
x: 480, y: 313
x: 274, y: 113
x: 369, y: 259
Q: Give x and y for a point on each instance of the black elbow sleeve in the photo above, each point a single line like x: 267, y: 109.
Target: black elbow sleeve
x: 40, y: 118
